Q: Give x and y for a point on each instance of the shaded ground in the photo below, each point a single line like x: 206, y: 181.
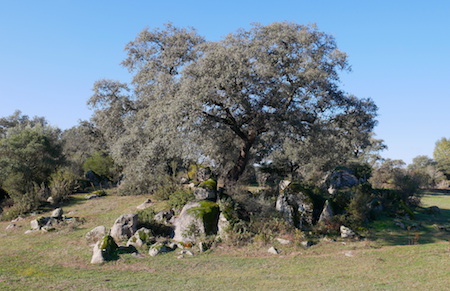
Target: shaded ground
x: 427, y: 227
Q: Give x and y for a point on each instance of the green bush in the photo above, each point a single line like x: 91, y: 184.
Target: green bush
x: 179, y: 198
x: 208, y: 184
x: 62, y: 184
x: 359, y: 206
x: 25, y: 202
x: 102, y: 164
x: 164, y: 186
x: 268, y: 228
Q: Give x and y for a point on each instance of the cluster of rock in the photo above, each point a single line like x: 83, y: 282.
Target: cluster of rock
x: 49, y: 223
x: 125, y: 229
x: 197, y: 219
x: 302, y: 210
x: 201, y: 218
x: 298, y: 208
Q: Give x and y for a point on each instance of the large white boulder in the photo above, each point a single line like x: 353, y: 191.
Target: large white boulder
x: 196, y: 219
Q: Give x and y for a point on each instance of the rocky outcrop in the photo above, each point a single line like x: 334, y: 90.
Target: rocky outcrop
x: 165, y: 217
x: 159, y: 248
x: 124, y: 227
x: 147, y: 203
x: 196, y: 219
x: 339, y: 179
x: 273, y: 251
x: 57, y: 213
x: 223, y: 226
x: 140, y: 238
x: 434, y: 210
x: 296, y: 206
x: 283, y: 185
x: 327, y: 212
x: 47, y: 223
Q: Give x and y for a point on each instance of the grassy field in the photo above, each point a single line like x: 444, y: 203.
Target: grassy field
x: 390, y: 258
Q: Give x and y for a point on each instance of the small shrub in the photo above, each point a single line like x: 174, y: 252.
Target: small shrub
x: 146, y: 218
x: 164, y: 186
x: 62, y: 184
x: 28, y: 201
x: 192, y: 171
x: 331, y: 227
x: 240, y: 235
x: 359, y: 206
x: 102, y: 164
x: 269, y: 228
x: 179, y: 198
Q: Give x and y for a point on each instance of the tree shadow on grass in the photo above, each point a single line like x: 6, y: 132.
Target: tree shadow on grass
x: 71, y: 201
x: 435, y: 192
x: 424, y: 229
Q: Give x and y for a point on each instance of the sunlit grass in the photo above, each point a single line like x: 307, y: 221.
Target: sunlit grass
x: 386, y: 261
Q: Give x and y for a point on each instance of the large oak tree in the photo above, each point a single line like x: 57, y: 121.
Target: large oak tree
x: 232, y: 102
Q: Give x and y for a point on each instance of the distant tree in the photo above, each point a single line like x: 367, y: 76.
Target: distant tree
x: 441, y: 155
x: 426, y: 169
x: 322, y: 151
x: 79, y: 143
x: 232, y: 102
x: 421, y: 162
x: 18, y: 120
x: 384, y: 173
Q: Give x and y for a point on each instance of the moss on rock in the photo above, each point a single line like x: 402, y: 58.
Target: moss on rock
x: 109, y: 247
x: 209, y: 184
x: 208, y: 212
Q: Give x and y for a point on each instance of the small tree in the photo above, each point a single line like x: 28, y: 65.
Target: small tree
x: 29, y: 153
x: 79, y: 143
x: 62, y: 184
x: 426, y: 171
x: 441, y: 155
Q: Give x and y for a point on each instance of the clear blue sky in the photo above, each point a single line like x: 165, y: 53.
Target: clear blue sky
x: 51, y: 53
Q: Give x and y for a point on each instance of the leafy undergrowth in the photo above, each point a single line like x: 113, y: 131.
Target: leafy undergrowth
x: 386, y: 261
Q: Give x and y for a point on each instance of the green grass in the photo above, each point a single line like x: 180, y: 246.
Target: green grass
x: 421, y: 230
x: 386, y: 261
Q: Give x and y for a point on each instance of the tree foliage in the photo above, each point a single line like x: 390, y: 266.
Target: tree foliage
x: 427, y: 171
x: 79, y: 143
x: 441, y: 155
x: 30, y: 151
x: 230, y: 102
x: 102, y: 164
